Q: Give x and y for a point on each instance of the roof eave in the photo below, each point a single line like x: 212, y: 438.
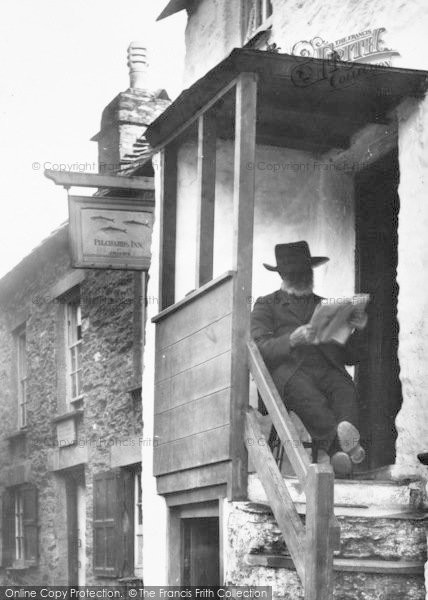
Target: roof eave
x: 173, y: 6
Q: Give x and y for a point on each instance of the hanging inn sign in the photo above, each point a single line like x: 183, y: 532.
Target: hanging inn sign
x: 109, y: 232
x: 113, y: 233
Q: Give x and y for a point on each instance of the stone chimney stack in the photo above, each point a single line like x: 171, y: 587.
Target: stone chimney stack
x: 138, y: 66
x: 123, y: 123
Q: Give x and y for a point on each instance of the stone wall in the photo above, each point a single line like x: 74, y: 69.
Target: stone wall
x: 111, y: 310
x: 251, y: 531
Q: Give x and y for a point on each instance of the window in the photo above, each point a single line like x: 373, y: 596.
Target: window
x: 74, y: 351
x: 259, y: 13
x: 138, y: 525
x: 20, y: 526
x: 21, y: 345
x: 118, y: 523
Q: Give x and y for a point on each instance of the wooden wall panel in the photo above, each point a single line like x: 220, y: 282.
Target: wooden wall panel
x: 192, y: 389
x: 212, y: 340
x: 201, y: 449
x: 203, y: 414
x: 202, y: 380
x: 196, y: 314
x: 198, y: 477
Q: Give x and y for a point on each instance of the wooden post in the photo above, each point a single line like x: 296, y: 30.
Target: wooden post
x: 168, y: 225
x: 319, y: 533
x: 243, y: 222
x: 206, y: 198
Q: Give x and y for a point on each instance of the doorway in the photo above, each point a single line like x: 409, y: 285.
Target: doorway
x: 76, y: 526
x: 195, y: 544
x: 201, y: 552
x: 377, y: 376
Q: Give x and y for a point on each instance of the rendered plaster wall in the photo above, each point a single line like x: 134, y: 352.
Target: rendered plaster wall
x: 405, y: 25
x: 412, y: 420
x: 216, y: 22
x: 218, y: 25
x: 298, y: 196
x: 154, y: 506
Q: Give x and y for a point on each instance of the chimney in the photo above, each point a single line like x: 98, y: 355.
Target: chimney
x: 126, y: 118
x: 137, y: 63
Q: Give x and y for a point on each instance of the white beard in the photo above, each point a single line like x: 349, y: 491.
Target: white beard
x: 296, y: 292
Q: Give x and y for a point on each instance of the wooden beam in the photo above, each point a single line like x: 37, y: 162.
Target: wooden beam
x: 97, y: 180
x: 243, y: 224
x: 206, y: 198
x: 168, y: 226
x: 277, y: 411
x: 367, y: 146
x: 319, y: 536
x: 182, y: 126
x: 278, y: 495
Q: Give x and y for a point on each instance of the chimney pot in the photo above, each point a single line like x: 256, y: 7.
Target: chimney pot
x: 137, y: 63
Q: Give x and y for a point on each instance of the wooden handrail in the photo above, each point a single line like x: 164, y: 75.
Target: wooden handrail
x: 280, y: 500
x: 311, y: 547
x: 278, y: 413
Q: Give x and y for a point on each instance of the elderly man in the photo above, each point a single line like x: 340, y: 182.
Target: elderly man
x: 311, y: 378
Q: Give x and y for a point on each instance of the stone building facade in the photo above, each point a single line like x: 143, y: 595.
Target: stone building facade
x: 80, y: 427
x: 71, y: 411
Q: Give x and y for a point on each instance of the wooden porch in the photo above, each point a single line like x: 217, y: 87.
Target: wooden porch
x: 204, y: 425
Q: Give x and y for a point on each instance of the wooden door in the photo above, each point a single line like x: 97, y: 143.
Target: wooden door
x: 76, y: 526
x: 377, y: 207
x: 201, y: 552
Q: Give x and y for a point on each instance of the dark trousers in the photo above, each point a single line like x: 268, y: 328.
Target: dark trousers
x: 322, y: 397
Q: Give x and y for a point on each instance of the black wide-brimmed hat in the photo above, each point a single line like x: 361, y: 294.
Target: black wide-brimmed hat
x: 295, y: 257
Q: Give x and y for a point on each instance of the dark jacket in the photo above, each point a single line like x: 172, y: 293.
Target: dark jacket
x: 272, y: 322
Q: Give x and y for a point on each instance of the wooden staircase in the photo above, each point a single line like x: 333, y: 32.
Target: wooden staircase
x: 319, y: 539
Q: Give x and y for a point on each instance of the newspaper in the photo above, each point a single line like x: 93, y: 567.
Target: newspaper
x: 331, y: 318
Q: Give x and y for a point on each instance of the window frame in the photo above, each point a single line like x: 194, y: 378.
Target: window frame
x: 20, y: 527
x: 138, y: 522
x: 22, y: 376
x: 73, y: 350
x: 258, y: 17
x: 18, y: 503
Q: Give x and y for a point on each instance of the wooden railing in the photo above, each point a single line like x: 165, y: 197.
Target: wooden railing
x: 311, y: 546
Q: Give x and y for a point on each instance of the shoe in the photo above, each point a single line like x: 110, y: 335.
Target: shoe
x: 357, y: 455
x: 323, y: 458
x: 341, y: 463
x: 349, y: 441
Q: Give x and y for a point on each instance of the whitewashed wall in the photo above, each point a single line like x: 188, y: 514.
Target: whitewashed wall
x: 297, y: 197
x: 154, y: 507
x: 405, y: 23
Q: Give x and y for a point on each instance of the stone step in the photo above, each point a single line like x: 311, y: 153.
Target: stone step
x: 353, y: 579
x: 388, y: 538
x: 350, y: 565
x: 379, y: 558
x: 356, y: 497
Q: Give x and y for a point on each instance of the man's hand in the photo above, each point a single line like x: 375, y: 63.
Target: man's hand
x: 358, y: 318
x: 305, y: 334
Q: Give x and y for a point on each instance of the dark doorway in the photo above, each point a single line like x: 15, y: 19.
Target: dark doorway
x: 377, y: 207
x: 201, y: 551
x: 76, y: 523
